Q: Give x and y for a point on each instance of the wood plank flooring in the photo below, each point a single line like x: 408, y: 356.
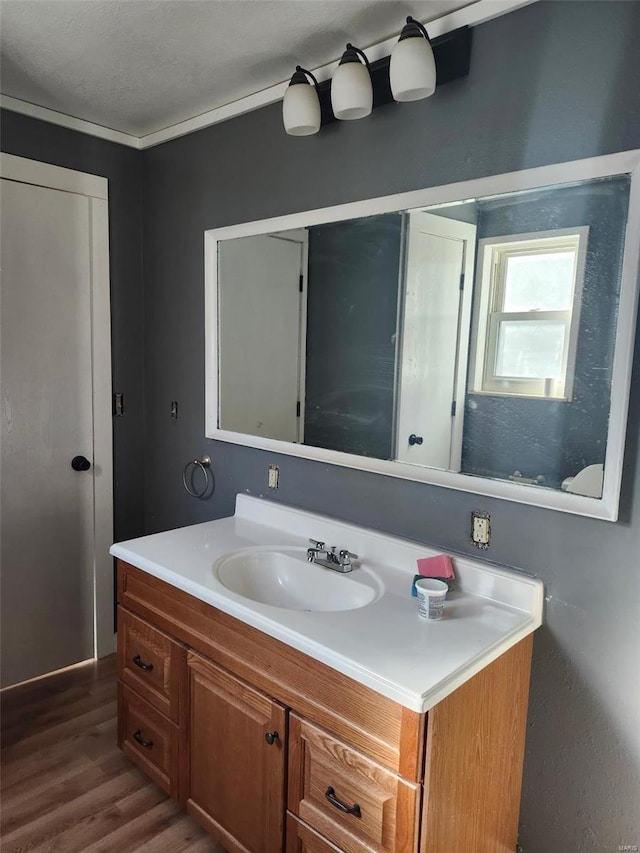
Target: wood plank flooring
x: 65, y: 786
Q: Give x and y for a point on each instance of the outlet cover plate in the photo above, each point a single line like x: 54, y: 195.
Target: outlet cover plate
x: 274, y: 476
x: 480, y: 529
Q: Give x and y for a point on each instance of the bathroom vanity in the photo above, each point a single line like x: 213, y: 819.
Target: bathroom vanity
x: 338, y: 719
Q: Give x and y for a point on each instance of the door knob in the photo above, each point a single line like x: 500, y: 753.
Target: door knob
x: 80, y: 463
x: 415, y: 439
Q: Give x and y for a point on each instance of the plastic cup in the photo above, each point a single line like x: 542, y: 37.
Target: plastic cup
x: 431, y: 596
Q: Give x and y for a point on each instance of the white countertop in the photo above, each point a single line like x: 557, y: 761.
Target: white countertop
x: 385, y: 645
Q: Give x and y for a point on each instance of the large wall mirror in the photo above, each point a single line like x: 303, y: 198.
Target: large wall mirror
x: 477, y: 336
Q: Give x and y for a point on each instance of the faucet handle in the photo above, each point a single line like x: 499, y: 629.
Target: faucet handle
x: 347, y: 556
x: 317, y: 545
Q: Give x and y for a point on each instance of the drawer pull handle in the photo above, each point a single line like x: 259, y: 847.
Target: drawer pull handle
x: 271, y: 737
x: 137, y: 735
x: 330, y: 794
x: 139, y: 662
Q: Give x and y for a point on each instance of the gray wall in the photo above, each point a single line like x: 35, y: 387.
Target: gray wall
x: 550, y: 82
x: 36, y: 140
x: 352, y: 311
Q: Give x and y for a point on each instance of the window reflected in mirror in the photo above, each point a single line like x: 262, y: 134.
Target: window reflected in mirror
x: 529, y: 293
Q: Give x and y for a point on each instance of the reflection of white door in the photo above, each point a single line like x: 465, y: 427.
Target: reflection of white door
x: 54, y: 536
x: 435, y: 329
x: 260, y: 367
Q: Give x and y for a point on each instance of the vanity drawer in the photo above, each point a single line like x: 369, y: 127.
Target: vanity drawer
x: 151, y: 663
x: 149, y: 739
x: 352, y: 801
x: 302, y: 839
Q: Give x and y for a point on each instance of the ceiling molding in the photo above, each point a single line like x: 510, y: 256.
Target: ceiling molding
x: 470, y: 16
x: 15, y: 105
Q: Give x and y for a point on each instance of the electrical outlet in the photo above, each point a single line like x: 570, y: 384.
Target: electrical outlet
x: 274, y: 476
x: 480, y: 529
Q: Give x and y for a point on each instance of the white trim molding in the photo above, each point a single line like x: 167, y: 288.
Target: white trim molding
x: 470, y: 16
x: 15, y: 105
x: 54, y: 177
x: 103, y: 508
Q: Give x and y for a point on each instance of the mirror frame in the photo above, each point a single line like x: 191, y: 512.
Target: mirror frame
x: 609, y: 165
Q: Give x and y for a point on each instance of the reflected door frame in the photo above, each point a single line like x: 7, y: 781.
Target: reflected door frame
x: 438, y: 341
x: 262, y: 376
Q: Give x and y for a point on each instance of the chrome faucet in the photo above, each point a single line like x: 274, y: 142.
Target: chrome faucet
x: 327, y: 557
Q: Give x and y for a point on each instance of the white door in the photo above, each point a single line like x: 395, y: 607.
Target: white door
x: 48, y: 513
x: 435, y: 328
x: 260, y: 369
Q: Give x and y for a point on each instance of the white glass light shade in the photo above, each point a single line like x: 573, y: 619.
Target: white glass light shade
x: 412, y: 70
x: 301, y: 110
x: 351, y: 91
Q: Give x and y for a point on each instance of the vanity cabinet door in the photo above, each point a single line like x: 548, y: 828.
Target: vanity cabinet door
x: 237, y: 748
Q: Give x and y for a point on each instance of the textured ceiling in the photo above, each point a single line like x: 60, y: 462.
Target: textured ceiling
x: 142, y: 65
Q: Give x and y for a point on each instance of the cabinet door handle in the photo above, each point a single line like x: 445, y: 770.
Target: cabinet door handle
x: 139, y: 662
x: 137, y: 735
x: 271, y: 737
x: 330, y: 794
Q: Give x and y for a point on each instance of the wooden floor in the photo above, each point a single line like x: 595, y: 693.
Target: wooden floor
x: 66, y: 786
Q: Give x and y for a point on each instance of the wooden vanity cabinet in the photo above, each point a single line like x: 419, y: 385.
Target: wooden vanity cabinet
x: 272, y: 751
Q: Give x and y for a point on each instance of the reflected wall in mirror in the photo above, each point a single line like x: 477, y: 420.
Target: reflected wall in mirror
x: 471, y: 340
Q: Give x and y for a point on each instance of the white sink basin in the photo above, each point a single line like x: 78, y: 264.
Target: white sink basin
x: 284, y: 578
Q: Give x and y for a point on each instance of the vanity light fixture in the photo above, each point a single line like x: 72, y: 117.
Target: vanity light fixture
x: 351, y: 87
x: 359, y: 86
x: 301, y: 105
x: 412, y: 68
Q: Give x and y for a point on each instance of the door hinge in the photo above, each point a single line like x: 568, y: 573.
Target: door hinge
x: 298, y: 409
x: 300, y: 283
x: 461, y: 281
x: 453, y: 408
